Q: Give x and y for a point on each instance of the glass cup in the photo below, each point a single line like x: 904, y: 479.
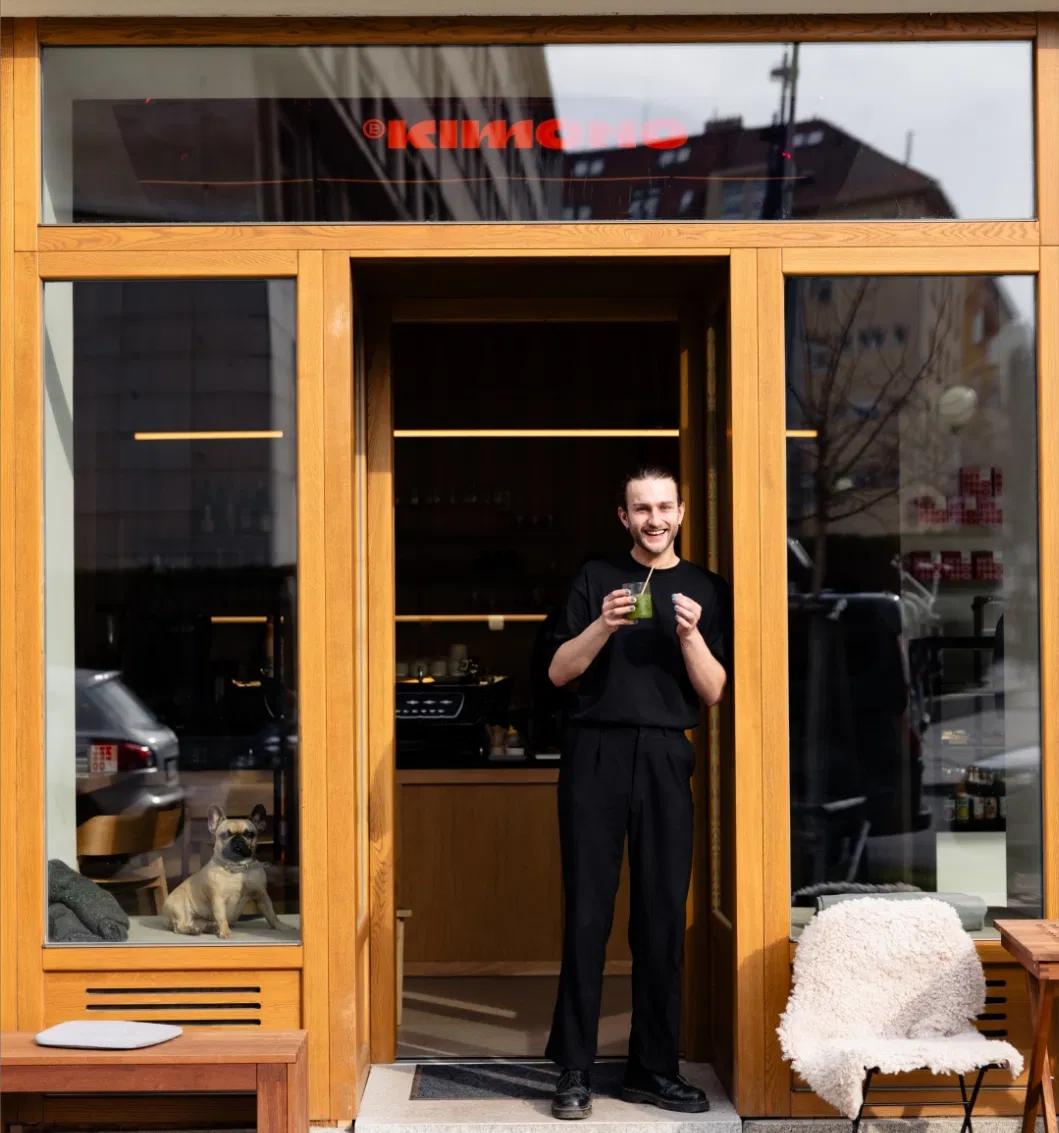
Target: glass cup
x: 644, y: 607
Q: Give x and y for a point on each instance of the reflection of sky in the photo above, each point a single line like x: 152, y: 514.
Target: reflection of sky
x: 968, y: 105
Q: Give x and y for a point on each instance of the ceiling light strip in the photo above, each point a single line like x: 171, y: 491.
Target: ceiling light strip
x: 484, y: 618
x: 543, y: 433
x: 214, y: 435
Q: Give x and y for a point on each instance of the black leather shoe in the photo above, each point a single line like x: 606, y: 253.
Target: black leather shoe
x: 667, y: 1093
x: 573, y: 1095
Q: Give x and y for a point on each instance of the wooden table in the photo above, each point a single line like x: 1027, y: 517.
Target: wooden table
x: 272, y: 1064
x: 1035, y: 944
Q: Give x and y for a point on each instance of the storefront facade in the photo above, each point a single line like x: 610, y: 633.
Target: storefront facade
x: 230, y: 251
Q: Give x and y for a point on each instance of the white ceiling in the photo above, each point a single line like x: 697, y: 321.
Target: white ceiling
x: 306, y: 8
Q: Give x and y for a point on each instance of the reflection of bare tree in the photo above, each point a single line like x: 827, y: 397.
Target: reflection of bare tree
x: 849, y: 392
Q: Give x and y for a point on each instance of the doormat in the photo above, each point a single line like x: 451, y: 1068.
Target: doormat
x: 473, y: 1081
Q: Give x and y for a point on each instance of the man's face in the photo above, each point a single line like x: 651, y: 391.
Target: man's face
x: 652, y: 514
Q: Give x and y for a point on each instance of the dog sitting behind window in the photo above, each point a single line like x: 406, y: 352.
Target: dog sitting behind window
x: 212, y: 898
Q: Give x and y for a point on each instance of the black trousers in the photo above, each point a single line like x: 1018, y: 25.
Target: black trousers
x: 615, y: 781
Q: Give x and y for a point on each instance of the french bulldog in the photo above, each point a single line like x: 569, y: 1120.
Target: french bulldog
x: 212, y: 898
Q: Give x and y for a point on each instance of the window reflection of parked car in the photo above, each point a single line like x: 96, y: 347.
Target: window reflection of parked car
x: 126, y: 757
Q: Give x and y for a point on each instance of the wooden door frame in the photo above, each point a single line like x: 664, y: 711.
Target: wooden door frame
x: 690, y: 321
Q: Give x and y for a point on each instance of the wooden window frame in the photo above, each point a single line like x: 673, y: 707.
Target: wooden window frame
x: 320, y: 257
x: 776, y: 952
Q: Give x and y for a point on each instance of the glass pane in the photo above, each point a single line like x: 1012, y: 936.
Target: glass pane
x: 488, y: 132
x: 490, y: 530
x: 171, y: 598
x: 914, y: 632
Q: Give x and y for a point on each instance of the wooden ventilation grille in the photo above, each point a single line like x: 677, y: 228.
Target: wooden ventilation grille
x: 202, y: 1005
x: 256, y: 997
x: 993, y: 1021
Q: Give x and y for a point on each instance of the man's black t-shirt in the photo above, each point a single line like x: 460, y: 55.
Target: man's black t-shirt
x: 639, y: 677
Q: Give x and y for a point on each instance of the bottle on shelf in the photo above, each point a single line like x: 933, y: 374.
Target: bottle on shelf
x: 979, y: 803
x: 962, y: 817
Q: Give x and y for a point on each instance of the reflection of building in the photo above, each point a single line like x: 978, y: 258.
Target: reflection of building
x: 306, y: 147
x: 903, y: 346
x: 722, y: 173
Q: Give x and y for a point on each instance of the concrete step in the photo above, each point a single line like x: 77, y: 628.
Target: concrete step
x: 388, y: 1108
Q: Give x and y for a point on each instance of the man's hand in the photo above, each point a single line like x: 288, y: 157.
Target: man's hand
x: 688, y: 614
x: 617, y: 606
x: 573, y: 657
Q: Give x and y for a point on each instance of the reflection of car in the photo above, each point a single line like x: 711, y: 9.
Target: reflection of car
x: 126, y: 757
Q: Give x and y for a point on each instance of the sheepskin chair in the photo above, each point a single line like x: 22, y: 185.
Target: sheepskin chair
x: 883, y: 987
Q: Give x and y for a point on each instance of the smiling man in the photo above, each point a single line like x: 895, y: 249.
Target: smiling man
x: 626, y: 768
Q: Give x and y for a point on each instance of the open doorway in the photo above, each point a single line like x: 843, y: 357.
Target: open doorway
x: 514, y: 398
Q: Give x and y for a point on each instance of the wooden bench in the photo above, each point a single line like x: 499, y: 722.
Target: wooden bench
x: 271, y: 1063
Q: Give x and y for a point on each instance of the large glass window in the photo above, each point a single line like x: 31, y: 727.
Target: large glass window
x: 913, y: 592
x: 171, y: 596
x: 576, y: 132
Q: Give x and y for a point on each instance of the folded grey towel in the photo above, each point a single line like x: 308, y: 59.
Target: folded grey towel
x: 64, y: 926
x: 970, y: 907
x: 97, y: 909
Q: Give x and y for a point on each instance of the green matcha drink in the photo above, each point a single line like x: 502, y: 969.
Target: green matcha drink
x: 644, y: 607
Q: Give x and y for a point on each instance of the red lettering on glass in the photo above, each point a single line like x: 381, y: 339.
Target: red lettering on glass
x: 498, y: 133
x: 663, y: 133
x: 552, y: 133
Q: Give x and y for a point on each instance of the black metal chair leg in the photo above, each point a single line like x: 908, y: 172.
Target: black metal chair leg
x: 864, y: 1099
x: 968, y: 1106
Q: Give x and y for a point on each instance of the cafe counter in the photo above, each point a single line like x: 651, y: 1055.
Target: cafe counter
x: 478, y: 866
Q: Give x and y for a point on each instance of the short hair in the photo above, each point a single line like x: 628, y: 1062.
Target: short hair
x: 648, y: 472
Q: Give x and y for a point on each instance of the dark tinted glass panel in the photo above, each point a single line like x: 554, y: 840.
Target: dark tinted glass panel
x: 171, y: 597
x: 536, y: 376
x: 491, y: 530
x: 494, y: 525
x: 913, y: 582
x: 528, y: 132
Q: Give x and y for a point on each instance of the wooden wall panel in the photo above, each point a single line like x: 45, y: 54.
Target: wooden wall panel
x: 173, y: 958
x: 1048, y: 431
x: 749, y: 811
x: 245, y: 998
x: 24, y: 687
x: 478, y: 865
x: 26, y: 120
x: 693, y: 479
x: 1048, y: 127
x: 342, y: 687
x: 381, y: 723
x: 531, y: 241
x: 775, y: 846
x: 234, y: 263
x: 9, y: 655
x: 908, y: 260
x: 312, y: 678
x: 542, y: 29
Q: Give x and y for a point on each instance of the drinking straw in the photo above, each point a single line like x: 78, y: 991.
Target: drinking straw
x: 648, y: 582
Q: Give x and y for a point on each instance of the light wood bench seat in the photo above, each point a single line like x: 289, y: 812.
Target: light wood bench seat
x: 273, y: 1064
